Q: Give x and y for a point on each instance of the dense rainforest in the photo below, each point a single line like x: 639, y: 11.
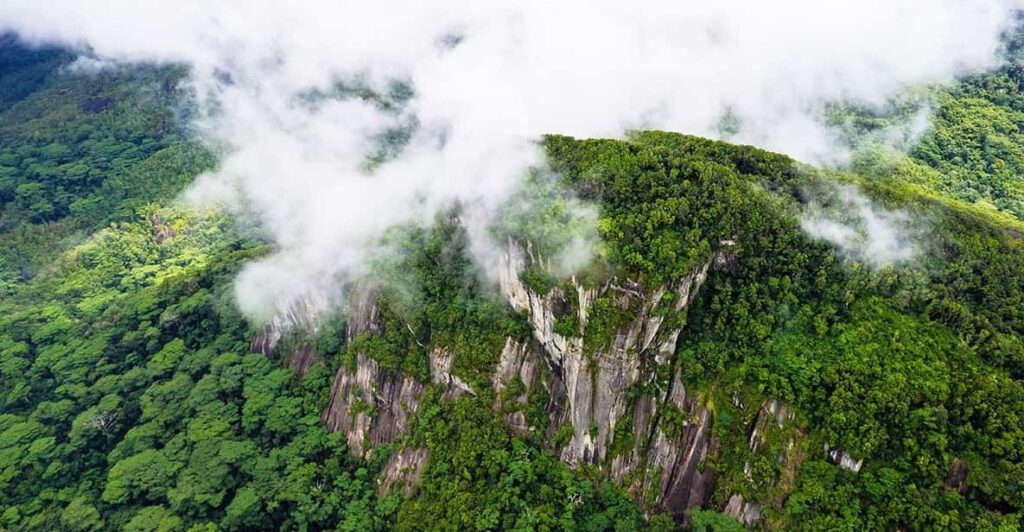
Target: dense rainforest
x: 819, y: 387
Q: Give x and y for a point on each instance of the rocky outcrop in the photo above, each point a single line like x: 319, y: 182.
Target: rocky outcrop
x: 747, y: 513
x: 591, y: 385
x: 302, y: 358
x: 363, y: 312
x: 957, y: 478
x: 299, y: 317
x: 440, y: 372
x: 773, y: 420
x: 673, y: 475
x: 843, y: 459
x: 402, y: 471
x: 771, y: 410
x: 160, y: 229
x: 517, y: 371
x: 368, y: 406
x: 619, y: 404
x: 301, y: 314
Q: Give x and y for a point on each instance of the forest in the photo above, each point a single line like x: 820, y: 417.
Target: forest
x: 131, y: 396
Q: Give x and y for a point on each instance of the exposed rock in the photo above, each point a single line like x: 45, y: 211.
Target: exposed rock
x: 96, y: 104
x: 159, y: 229
x: 725, y: 260
x: 402, y: 472
x: 791, y: 460
x: 590, y: 388
x: 440, y: 370
x: 518, y: 361
x: 770, y: 410
x: 957, y: 477
x: 369, y: 406
x: 843, y: 459
x: 363, y: 312
x: 624, y: 465
x: 303, y: 358
x: 598, y: 398
x: 301, y: 315
x: 541, y: 308
x: 675, y: 460
x: 747, y: 513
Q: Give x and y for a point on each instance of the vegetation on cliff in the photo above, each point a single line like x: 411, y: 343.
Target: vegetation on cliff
x: 129, y: 397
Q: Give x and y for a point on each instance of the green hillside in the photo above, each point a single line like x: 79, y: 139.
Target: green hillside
x: 130, y: 397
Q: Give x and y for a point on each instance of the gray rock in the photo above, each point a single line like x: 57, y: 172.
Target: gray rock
x: 402, y: 472
x: 843, y: 459
x: 368, y: 406
x: 590, y: 388
x: 747, y: 513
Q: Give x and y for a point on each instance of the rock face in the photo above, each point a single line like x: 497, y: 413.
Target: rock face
x: 591, y: 385
x: 616, y: 400
x: 440, y: 372
x: 402, y: 472
x: 369, y: 406
x: 774, y: 419
x: 672, y: 475
x: 519, y: 363
x: 372, y: 407
x: 771, y: 410
x: 843, y: 459
x: 303, y: 358
x: 301, y: 316
x: 957, y: 477
x: 747, y: 513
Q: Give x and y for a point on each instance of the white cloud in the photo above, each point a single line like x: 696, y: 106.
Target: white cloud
x: 84, y: 64
x: 518, y: 70
x: 862, y: 230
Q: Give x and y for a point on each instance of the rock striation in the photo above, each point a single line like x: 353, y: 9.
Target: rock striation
x: 593, y: 388
x: 614, y: 392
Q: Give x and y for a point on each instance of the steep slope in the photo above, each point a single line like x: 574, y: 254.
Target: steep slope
x: 712, y: 358
x: 591, y: 385
x: 681, y: 412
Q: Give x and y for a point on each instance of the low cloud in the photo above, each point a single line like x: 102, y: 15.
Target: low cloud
x: 84, y: 64
x: 487, y: 79
x: 862, y: 230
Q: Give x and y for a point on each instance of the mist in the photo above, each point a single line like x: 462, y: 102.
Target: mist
x: 860, y: 229
x: 487, y: 79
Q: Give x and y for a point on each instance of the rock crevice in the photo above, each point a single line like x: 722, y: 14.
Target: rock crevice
x: 594, y: 387
x: 369, y: 406
x: 621, y: 406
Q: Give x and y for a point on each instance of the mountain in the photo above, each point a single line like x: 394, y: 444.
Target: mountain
x: 755, y: 341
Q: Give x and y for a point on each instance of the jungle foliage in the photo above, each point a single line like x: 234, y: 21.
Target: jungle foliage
x: 129, y: 398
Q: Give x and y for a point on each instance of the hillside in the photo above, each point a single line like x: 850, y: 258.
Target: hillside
x: 714, y: 364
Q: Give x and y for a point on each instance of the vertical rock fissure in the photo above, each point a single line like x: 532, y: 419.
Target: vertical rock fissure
x: 592, y: 384
x: 656, y: 421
